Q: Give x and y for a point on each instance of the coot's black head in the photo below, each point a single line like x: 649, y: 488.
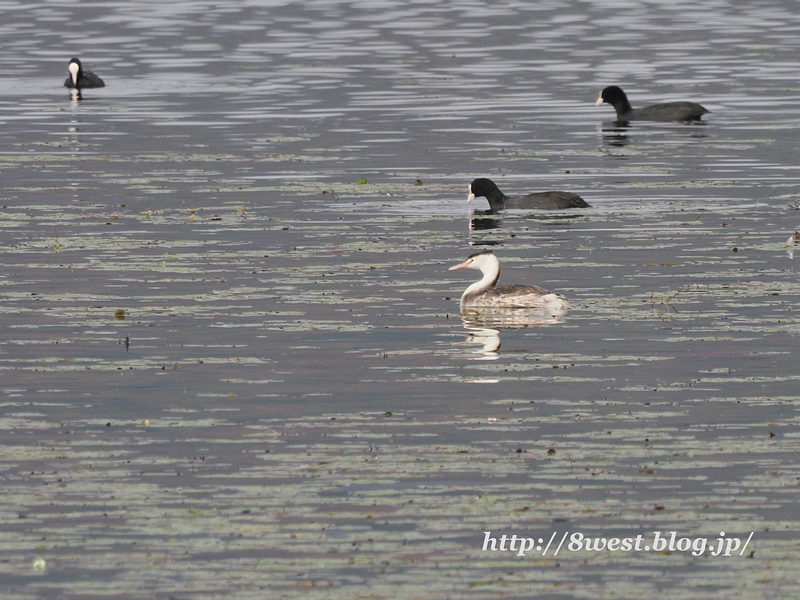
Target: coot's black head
x: 75, y: 70
x: 614, y: 96
x: 482, y: 187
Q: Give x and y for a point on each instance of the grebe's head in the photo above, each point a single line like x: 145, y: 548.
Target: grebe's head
x: 480, y: 261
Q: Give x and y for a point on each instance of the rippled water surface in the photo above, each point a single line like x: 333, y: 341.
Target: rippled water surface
x: 232, y: 362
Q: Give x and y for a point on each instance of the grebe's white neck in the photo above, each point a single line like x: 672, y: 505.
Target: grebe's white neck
x: 486, y: 263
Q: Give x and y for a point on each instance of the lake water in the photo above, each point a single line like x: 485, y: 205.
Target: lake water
x: 232, y: 362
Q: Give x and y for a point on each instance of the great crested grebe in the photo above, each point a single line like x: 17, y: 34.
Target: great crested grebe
x: 541, y: 200
x: 485, y: 293
x: 79, y: 79
x: 669, y: 111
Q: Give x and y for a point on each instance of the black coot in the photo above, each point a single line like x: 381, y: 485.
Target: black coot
x: 541, y: 201
x: 79, y: 79
x: 669, y: 111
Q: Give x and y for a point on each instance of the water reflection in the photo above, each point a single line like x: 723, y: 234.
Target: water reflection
x: 487, y: 338
x: 618, y: 133
x: 793, y: 240
x: 513, y: 318
x: 483, y: 220
x: 615, y: 134
x: 484, y: 326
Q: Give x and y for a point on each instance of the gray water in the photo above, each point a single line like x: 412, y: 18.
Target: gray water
x: 232, y: 362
